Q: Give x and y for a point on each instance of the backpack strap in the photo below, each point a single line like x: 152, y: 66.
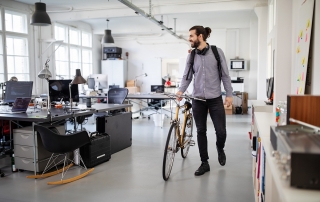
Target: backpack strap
x: 191, y: 60
x: 216, y: 55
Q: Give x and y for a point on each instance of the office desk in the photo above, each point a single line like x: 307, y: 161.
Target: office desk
x: 58, y: 114
x: 41, y: 117
x: 102, y: 107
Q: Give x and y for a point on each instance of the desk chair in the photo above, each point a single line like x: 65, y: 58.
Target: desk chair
x: 115, y: 96
x: 61, y: 145
x: 156, y: 104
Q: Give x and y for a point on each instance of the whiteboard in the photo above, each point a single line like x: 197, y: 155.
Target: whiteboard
x: 302, y: 44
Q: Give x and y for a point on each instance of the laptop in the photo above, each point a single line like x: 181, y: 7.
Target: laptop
x: 20, y: 105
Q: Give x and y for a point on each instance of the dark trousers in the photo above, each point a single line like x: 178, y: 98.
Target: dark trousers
x: 218, y: 117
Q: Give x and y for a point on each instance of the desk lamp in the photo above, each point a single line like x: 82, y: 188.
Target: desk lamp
x: 78, y: 79
x: 135, y: 80
x: 46, y: 74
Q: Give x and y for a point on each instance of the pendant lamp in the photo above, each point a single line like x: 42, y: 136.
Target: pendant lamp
x: 40, y: 17
x: 107, y: 38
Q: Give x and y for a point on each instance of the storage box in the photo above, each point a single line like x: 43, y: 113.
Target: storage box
x: 130, y: 83
x: 133, y: 90
x: 98, y: 151
x: 228, y: 110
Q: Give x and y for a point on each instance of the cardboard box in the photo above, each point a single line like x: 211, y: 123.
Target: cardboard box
x: 130, y: 83
x: 228, y: 110
x: 133, y: 90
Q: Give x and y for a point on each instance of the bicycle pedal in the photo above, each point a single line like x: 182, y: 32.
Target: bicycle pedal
x: 192, y: 143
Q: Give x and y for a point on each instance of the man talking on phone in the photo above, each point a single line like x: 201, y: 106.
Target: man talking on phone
x: 207, y: 66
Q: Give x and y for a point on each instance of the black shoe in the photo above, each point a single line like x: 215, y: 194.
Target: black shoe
x: 221, y: 157
x: 202, y: 169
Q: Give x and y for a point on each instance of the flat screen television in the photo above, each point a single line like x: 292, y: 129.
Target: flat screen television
x: 59, y: 90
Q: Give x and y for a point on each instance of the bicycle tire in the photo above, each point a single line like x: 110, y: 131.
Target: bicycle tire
x: 187, y: 137
x: 169, y: 151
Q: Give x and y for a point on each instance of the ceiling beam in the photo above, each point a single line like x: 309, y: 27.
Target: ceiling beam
x: 121, y: 11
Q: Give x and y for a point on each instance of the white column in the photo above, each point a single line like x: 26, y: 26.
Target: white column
x: 262, y: 14
x: 283, y: 51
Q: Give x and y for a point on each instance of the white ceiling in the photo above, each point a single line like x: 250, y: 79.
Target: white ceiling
x: 218, y: 14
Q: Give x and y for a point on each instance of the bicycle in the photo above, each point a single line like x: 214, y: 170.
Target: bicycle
x: 181, y: 137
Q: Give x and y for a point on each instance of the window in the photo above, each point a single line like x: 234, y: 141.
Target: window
x: 86, y: 62
x: 1, y: 61
x: 75, y: 60
x: 61, y: 33
x: 17, y: 58
x: 75, y: 53
x: 14, y: 56
x: 86, y: 39
x: 16, y: 22
x: 62, y: 62
x: 0, y: 20
x: 74, y: 37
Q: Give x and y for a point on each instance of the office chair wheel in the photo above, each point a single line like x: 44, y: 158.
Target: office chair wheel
x: 1, y: 174
x: 148, y: 117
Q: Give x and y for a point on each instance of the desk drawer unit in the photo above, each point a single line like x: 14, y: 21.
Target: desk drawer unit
x: 24, y: 149
x: 27, y: 163
x: 27, y: 151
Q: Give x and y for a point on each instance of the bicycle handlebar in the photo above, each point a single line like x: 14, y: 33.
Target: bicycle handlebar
x: 171, y: 95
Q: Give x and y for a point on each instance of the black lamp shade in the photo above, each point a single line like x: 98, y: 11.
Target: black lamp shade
x: 78, y: 79
x: 107, y: 38
x: 40, y: 17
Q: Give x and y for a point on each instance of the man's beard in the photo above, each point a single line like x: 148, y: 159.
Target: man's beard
x: 196, y: 44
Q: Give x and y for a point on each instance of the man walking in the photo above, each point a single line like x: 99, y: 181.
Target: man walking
x: 208, y: 66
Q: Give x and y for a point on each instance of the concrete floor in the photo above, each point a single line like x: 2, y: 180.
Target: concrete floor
x: 135, y: 174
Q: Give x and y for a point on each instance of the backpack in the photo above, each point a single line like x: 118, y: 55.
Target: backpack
x: 216, y: 55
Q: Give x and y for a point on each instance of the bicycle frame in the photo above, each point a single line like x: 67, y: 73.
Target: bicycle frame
x: 180, y: 136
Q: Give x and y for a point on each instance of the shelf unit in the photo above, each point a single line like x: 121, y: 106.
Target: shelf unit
x: 276, y: 189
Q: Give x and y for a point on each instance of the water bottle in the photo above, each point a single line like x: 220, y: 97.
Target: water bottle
x: 278, y: 113
x: 13, y: 166
x: 283, y: 114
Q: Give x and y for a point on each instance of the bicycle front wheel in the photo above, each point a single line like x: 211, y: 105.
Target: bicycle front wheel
x: 169, y: 152
x: 187, y: 137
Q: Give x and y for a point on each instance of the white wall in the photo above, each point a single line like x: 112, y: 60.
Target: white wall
x: 142, y: 55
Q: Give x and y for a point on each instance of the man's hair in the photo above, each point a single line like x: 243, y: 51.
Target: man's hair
x: 201, y: 30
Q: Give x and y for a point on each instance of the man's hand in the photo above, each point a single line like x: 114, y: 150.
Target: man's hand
x: 228, y: 101
x: 179, y: 93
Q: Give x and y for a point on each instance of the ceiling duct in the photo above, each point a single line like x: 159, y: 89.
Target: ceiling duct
x: 151, y: 18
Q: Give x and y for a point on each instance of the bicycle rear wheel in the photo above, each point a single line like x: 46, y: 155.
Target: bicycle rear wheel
x: 169, y: 152
x: 187, y: 137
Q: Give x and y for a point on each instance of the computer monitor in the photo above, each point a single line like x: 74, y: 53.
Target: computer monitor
x: 59, y: 89
x: 270, y: 87
x: 15, y: 89
x: 100, y: 80
x: 91, y: 83
x: 157, y: 88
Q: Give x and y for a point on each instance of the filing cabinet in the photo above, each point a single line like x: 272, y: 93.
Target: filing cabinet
x: 24, y: 149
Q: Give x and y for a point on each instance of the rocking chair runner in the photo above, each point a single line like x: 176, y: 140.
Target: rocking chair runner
x: 61, y: 145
